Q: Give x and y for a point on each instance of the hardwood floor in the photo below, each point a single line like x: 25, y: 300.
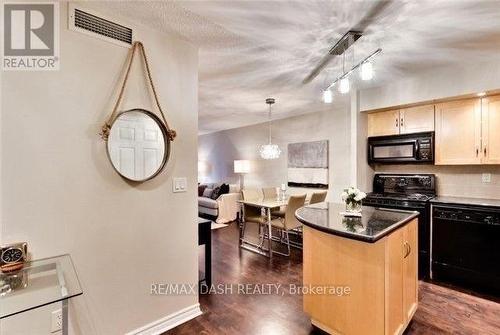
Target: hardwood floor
x: 441, y: 310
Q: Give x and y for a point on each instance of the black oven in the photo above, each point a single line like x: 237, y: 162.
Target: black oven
x: 408, y: 148
x: 408, y: 192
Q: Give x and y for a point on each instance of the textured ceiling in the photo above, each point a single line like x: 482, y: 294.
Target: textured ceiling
x: 250, y: 50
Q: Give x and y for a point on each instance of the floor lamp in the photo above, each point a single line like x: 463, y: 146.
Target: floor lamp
x: 241, y: 167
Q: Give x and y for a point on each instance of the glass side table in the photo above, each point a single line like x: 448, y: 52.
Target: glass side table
x: 40, y: 283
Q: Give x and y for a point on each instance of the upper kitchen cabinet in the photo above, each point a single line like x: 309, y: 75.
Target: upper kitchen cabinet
x: 490, y: 152
x: 416, y: 119
x: 405, y: 121
x: 458, y: 132
x: 383, y: 123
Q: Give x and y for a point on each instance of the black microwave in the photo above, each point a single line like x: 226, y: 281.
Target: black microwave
x: 396, y: 149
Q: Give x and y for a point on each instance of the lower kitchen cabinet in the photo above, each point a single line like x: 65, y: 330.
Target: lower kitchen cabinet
x: 402, y: 298
x: 382, y: 278
x: 410, y: 270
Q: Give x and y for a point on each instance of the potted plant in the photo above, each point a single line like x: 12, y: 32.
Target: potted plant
x: 353, y: 199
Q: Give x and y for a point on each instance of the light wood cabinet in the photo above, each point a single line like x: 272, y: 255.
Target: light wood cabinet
x: 490, y: 151
x: 395, y: 311
x: 467, y: 132
x: 416, y: 119
x: 383, y: 123
x: 405, y: 121
x: 382, y: 278
x: 458, y: 132
x: 402, y: 264
x: 410, y: 273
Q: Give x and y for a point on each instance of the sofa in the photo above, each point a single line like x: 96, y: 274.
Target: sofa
x: 225, y: 207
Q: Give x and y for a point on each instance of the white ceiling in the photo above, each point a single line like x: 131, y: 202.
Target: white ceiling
x: 251, y: 50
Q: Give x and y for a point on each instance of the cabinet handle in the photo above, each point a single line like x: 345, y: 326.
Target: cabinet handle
x: 484, y: 151
x: 397, y: 123
x: 477, y: 152
x: 401, y: 122
x: 407, y: 249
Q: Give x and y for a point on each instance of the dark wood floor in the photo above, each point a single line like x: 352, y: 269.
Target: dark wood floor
x: 441, y: 310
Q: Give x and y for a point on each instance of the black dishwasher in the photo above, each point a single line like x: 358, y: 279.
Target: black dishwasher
x: 466, y: 246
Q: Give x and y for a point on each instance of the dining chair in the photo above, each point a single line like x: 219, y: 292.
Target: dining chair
x: 251, y: 193
x: 289, y: 221
x: 270, y: 192
x: 252, y: 214
x: 318, y: 197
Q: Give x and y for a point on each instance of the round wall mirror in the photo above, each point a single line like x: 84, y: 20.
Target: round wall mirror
x: 138, y: 146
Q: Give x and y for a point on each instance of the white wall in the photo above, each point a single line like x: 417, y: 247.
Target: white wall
x: 437, y: 84
x: 61, y: 195
x: 219, y: 150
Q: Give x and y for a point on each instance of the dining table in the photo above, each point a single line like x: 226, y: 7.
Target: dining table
x: 267, y: 205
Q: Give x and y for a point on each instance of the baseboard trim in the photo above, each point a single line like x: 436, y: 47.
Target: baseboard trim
x: 168, y: 322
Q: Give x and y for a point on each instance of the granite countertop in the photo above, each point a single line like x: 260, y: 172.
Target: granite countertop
x: 466, y: 201
x: 374, y: 224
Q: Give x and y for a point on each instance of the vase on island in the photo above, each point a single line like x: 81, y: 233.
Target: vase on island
x: 353, y: 199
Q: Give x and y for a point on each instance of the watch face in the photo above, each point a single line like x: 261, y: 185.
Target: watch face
x: 12, y: 255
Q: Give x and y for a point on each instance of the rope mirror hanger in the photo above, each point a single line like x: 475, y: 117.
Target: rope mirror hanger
x: 138, y: 141
x: 107, y: 125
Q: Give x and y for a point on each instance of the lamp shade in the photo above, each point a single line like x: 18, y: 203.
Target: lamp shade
x: 241, y: 166
x: 202, y: 167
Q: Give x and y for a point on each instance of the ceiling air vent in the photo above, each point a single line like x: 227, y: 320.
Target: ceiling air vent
x: 87, y: 22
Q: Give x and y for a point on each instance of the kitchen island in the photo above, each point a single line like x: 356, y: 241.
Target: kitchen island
x: 359, y: 273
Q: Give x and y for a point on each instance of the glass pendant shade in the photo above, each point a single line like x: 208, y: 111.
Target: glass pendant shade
x: 327, y: 97
x: 366, y: 71
x: 344, y: 85
x: 270, y: 151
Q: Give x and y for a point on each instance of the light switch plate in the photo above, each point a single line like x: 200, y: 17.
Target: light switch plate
x: 179, y: 184
x: 486, y: 177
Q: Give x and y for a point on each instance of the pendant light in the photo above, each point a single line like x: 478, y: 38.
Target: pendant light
x: 270, y: 151
x: 344, y: 82
x: 327, y: 96
x: 344, y: 85
x: 366, y: 72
